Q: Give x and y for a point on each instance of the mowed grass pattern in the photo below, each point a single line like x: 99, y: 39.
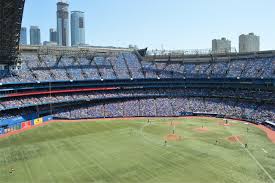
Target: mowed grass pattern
x: 133, y: 151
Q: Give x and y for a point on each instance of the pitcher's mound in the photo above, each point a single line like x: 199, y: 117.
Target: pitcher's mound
x: 235, y: 139
x: 173, y: 137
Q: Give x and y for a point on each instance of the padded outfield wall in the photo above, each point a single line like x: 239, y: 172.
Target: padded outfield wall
x: 18, y: 123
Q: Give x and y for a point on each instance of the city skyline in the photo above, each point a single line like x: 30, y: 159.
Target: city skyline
x: 69, y: 31
x: 120, y: 23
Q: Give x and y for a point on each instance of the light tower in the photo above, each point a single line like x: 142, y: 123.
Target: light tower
x: 63, y: 23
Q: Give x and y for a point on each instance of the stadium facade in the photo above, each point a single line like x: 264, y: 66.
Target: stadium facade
x: 10, y: 22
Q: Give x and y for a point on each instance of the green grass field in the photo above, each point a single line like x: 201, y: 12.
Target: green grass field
x: 133, y: 151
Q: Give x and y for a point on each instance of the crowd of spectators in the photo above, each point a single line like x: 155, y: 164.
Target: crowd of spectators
x: 176, y: 106
x: 5, y: 115
x: 127, y: 66
x: 16, y: 102
x: 162, y: 106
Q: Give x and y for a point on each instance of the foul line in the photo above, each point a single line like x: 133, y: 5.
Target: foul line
x: 253, y: 157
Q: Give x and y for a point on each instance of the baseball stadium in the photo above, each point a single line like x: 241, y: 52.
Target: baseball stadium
x: 123, y: 115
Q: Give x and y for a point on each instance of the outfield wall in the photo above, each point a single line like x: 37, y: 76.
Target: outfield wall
x: 20, y: 123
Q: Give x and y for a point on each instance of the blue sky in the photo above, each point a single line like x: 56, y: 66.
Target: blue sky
x: 173, y: 24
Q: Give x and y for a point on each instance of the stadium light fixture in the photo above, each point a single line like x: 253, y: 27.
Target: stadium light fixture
x: 102, y: 79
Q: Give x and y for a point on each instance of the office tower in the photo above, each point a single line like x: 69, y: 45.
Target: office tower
x: 53, y: 35
x: 35, y: 35
x: 77, y: 28
x: 221, y: 45
x: 23, y: 36
x: 63, y: 23
x: 249, y: 43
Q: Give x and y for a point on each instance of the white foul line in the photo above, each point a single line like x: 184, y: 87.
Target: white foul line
x: 264, y: 151
x: 258, y: 163
x: 253, y: 157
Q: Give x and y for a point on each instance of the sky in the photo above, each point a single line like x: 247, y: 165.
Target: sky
x: 168, y: 24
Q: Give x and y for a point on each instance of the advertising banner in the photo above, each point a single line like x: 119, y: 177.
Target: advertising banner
x: 38, y: 121
x: 26, y: 124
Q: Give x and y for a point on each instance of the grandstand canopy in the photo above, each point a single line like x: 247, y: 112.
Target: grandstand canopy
x: 11, y: 12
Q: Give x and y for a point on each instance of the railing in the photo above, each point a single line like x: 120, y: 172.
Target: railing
x: 189, y: 52
x: 72, y: 51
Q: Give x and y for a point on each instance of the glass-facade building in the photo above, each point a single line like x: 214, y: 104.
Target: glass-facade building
x: 77, y: 28
x: 53, y: 35
x: 23, y: 36
x: 63, y: 23
x: 35, y: 35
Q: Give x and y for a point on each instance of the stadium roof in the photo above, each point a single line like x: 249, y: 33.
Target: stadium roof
x: 11, y: 12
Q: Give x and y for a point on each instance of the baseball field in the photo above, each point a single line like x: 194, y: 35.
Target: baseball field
x: 159, y: 150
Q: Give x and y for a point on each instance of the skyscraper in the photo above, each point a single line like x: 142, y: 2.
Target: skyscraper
x: 35, y: 35
x: 63, y: 23
x: 77, y: 28
x: 221, y: 45
x: 53, y: 35
x: 249, y: 43
x: 23, y: 36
